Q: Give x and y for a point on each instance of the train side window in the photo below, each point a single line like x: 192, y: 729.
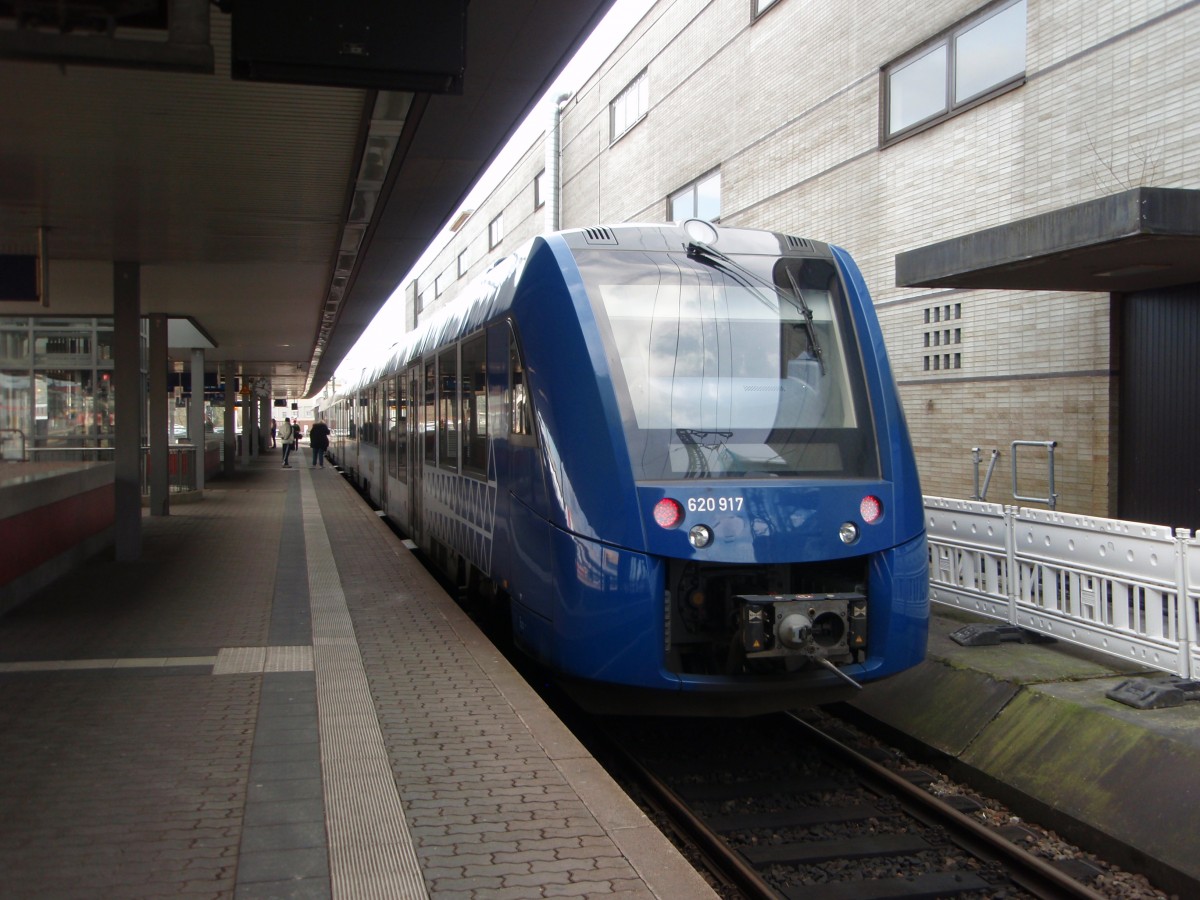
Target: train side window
x: 402, y: 412
x: 390, y: 424
x: 370, y: 427
x: 429, y: 413
x: 474, y: 406
x: 520, y: 418
x: 447, y: 408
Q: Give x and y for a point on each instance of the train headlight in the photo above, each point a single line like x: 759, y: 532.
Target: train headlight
x: 668, y: 513
x: 848, y: 532
x: 700, y: 536
x: 871, y: 509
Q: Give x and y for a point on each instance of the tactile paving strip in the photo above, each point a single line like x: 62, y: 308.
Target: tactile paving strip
x: 256, y: 660
x: 371, y: 850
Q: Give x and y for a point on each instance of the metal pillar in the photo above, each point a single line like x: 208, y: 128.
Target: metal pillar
x: 244, y: 405
x: 130, y: 402
x: 160, y: 503
x: 264, y: 425
x: 196, y: 414
x: 230, y: 436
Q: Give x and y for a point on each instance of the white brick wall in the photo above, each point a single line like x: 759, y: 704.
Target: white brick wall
x: 789, y: 108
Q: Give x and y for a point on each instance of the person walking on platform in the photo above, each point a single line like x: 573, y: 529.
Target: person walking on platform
x: 318, y: 437
x: 286, y: 435
x: 274, y: 431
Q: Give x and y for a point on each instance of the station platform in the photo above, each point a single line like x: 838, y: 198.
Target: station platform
x: 277, y: 700
x: 1031, y: 722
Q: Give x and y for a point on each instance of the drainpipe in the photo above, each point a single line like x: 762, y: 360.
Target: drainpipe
x: 553, y: 176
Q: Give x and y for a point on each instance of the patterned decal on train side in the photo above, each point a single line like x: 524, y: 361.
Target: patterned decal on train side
x: 460, y: 512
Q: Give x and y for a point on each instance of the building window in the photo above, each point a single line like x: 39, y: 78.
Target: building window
x: 699, y: 200
x: 758, y: 7
x: 463, y: 265
x: 974, y: 60
x: 439, y: 283
x: 495, y: 231
x: 539, y: 189
x: 629, y: 107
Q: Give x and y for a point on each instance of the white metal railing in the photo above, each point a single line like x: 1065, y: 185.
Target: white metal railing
x: 1129, y: 589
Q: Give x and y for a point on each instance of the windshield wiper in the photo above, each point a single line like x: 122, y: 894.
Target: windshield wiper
x: 808, y: 320
x: 715, y: 258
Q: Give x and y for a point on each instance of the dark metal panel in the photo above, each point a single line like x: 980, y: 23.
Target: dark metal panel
x: 1136, y: 240
x: 1159, y: 466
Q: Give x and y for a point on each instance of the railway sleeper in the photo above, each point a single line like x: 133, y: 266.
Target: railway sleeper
x: 840, y: 848
x: 930, y: 885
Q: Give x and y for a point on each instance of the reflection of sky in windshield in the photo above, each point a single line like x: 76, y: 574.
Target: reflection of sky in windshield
x: 719, y: 372
x: 710, y: 356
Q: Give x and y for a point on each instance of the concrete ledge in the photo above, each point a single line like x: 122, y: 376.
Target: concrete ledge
x: 53, y: 516
x: 1034, y: 721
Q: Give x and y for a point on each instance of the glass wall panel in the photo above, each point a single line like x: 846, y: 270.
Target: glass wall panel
x: 15, y: 347
x: 63, y: 406
x: 16, y: 414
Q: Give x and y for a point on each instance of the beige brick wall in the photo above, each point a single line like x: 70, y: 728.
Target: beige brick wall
x: 788, y: 109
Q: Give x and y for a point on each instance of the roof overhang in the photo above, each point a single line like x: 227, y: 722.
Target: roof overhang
x: 1135, y: 240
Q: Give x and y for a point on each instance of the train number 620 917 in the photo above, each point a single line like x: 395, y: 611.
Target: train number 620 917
x: 715, y: 504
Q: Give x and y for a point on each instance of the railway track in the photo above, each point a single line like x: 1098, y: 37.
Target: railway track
x: 782, y: 809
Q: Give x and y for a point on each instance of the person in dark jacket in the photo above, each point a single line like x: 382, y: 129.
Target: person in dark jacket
x: 318, y: 437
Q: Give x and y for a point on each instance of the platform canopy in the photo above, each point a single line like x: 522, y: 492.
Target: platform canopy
x: 1135, y: 240
x: 274, y: 179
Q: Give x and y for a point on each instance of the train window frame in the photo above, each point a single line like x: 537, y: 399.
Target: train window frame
x: 376, y: 417
x: 449, y: 439
x: 473, y: 440
x: 850, y: 449
x: 390, y: 419
x: 428, y: 421
x: 941, y: 57
x: 520, y: 417
x: 409, y: 378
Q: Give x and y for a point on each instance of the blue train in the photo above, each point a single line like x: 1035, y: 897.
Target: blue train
x: 675, y: 453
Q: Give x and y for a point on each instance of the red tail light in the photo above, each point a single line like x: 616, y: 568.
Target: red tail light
x: 871, y: 508
x: 668, y: 513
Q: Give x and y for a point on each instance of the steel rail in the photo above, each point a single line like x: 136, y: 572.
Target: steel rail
x: 1030, y: 872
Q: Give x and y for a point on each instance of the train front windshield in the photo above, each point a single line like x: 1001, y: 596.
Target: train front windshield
x: 724, y: 375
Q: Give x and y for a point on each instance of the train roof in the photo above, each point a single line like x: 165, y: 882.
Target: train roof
x: 491, y: 293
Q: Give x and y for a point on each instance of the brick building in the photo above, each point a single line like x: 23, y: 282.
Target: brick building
x: 1016, y: 179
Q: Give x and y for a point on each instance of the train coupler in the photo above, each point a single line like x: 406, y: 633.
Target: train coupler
x: 819, y: 626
